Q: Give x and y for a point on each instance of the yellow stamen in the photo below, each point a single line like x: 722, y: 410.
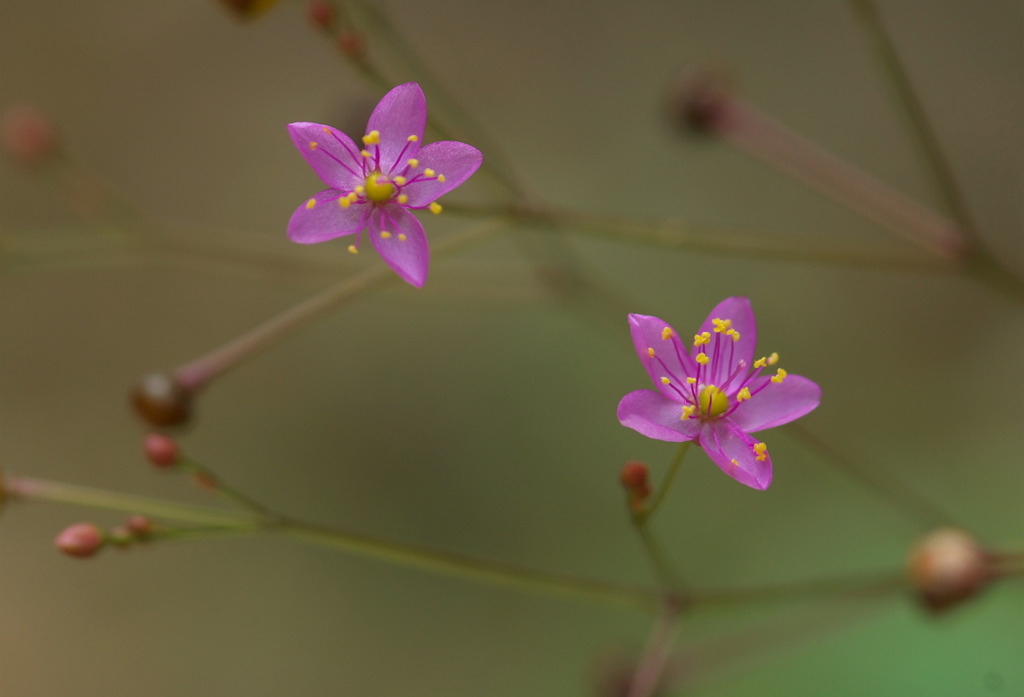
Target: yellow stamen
x: 440, y: 178
x: 773, y: 359
x: 399, y: 180
x: 688, y: 412
x: 371, y: 138
x: 721, y: 325
x: 760, y: 362
x: 365, y: 153
x: 779, y: 376
x: 428, y: 172
x: 734, y: 334
x: 743, y: 394
x: 413, y: 139
x: 353, y: 249
x: 344, y: 202
x: 414, y: 163
x: 650, y: 352
x: 664, y: 381
x: 761, y: 452
x: 435, y: 208
x: 733, y: 461
x: 312, y: 145
x: 701, y: 339
x: 360, y: 189
x: 403, y: 198
x: 691, y: 381
x: 385, y: 234
x: 402, y: 237
x: 310, y: 203
x: 702, y: 358
x: 666, y: 333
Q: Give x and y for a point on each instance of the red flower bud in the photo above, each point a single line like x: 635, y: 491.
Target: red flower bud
x: 81, y: 540
x: 161, y: 450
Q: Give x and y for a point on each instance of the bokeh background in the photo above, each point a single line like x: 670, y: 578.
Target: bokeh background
x: 478, y: 415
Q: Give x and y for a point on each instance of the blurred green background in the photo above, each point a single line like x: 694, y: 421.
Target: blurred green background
x: 478, y: 415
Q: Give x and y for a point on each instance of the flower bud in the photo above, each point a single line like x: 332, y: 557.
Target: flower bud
x: 161, y: 450
x: 634, y: 476
x: 161, y: 400
x: 352, y: 44
x: 81, y: 540
x: 947, y: 568
x: 139, y: 526
x: 28, y: 134
x: 701, y: 102
x: 320, y: 13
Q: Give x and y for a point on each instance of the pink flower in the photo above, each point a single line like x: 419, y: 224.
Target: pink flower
x: 715, y: 394
x: 374, y: 187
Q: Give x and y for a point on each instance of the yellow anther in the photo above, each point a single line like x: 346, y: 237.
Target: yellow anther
x: 650, y: 352
x: 414, y: 163
x: 779, y: 376
x: 735, y: 464
x: 666, y: 333
x: 743, y: 394
x: 734, y: 334
x: 310, y: 203
x: 360, y: 189
x: 312, y: 145
x: 691, y: 381
x: 428, y: 172
x: 700, y: 339
x: 413, y: 139
x: 688, y: 411
x: 353, y: 249
x: 773, y: 359
x: 378, y: 188
x: 403, y: 198
x: 702, y: 358
x: 372, y: 138
x: 365, y: 153
x: 761, y: 452
x: 760, y: 362
x: 402, y: 237
x: 399, y: 180
x: 440, y: 178
x: 713, y: 402
x: 664, y: 381
x: 344, y: 202
x: 721, y: 325
x: 385, y: 234
x: 435, y: 208
x: 326, y: 130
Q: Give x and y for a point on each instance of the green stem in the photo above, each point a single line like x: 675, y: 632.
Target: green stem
x: 666, y: 484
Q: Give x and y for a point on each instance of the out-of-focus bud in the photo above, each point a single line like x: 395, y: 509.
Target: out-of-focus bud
x: 701, y: 101
x: 28, y: 135
x: 320, y: 13
x: 948, y: 567
x: 161, y: 400
x: 81, y: 540
x: 247, y: 9
x: 352, y: 44
x: 161, y: 450
x: 139, y: 526
x: 635, y: 479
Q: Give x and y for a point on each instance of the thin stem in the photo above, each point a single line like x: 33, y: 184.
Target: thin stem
x: 901, y: 497
x: 196, y: 374
x: 917, y: 118
x: 226, y: 491
x: 753, y: 132
x: 664, y: 570
x: 850, y: 586
x: 659, y: 646
x: 670, y: 476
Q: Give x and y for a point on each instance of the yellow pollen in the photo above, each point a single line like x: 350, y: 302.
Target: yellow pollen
x: 402, y: 237
x: 702, y: 358
x: 326, y: 130
x: 360, y: 189
x: 428, y: 172
x: 440, y: 178
x: 385, y: 234
x: 372, y: 138
x: 691, y: 381
x: 734, y: 334
x: 733, y: 461
x: 435, y: 208
x: 713, y: 402
x: 413, y: 139
x: 402, y: 198
x: 414, y: 163
x: 666, y: 333
x: 344, y: 202
x: 779, y: 376
x: 760, y: 362
x: 399, y: 180
x: 650, y: 352
x: 688, y: 412
x: 721, y: 325
x: 773, y: 359
x: 310, y: 203
x: 378, y: 188
x: 701, y: 339
x: 664, y: 381
x: 743, y: 394
x: 761, y: 452
x: 365, y: 153
x: 312, y: 145
x: 353, y: 249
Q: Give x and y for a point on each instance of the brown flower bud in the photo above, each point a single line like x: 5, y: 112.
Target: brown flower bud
x: 947, y: 568
x: 248, y: 8
x: 161, y: 400
x: 701, y: 101
x: 634, y: 475
x: 28, y: 134
x: 81, y: 540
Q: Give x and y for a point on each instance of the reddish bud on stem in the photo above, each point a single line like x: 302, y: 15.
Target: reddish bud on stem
x: 320, y: 13
x: 161, y: 400
x: 28, y: 135
x: 352, y: 44
x: 161, y: 450
x: 634, y: 475
x: 949, y: 567
x: 81, y: 540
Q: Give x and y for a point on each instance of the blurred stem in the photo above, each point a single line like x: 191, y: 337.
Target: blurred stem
x: 663, y: 568
x: 198, y: 373
x: 225, y: 491
x: 915, y: 114
x: 848, y: 586
x: 651, y: 666
x: 659, y: 496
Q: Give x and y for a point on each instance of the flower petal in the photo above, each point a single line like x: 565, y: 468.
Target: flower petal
x: 670, y: 359
x: 656, y: 416
x: 725, y: 443
x: 739, y: 312
x: 325, y: 219
x: 398, y: 237
x: 777, y: 404
x: 331, y: 154
x: 454, y: 160
x: 401, y: 113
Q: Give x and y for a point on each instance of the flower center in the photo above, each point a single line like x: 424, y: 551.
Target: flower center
x: 712, y: 402
x: 378, y: 188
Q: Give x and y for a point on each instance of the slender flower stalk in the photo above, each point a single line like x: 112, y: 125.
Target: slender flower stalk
x: 652, y: 664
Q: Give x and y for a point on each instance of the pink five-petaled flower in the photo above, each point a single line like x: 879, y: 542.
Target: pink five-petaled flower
x: 373, y: 187
x: 715, y: 394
